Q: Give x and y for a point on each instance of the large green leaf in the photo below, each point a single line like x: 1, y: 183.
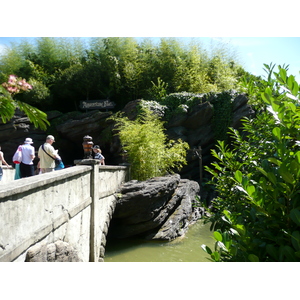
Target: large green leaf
x: 296, y: 240
x: 295, y: 216
x: 295, y: 89
x: 250, y: 190
x: 7, y: 109
x: 273, y: 251
x: 289, y: 253
x: 277, y: 133
x: 238, y: 176
x: 282, y: 74
x: 36, y: 116
x: 286, y: 175
x: 274, y: 161
x: 240, y: 228
x: 267, y: 98
x: 216, y: 256
x: 206, y: 249
x: 218, y: 236
x: 253, y: 258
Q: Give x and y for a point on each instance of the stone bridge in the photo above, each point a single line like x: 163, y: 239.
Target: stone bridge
x: 72, y: 206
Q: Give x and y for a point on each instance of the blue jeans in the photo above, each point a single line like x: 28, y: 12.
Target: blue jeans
x: 1, y: 173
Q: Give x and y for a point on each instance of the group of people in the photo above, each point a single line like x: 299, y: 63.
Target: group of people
x: 46, y: 154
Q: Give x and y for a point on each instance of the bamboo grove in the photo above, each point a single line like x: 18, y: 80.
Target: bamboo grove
x: 64, y: 71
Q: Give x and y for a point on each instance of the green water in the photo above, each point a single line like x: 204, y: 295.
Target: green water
x: 184, y: 249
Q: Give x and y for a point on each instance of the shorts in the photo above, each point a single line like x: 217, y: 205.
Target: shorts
x: 46, y: 170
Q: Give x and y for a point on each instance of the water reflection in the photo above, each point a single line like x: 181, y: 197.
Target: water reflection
x: 185, y: 249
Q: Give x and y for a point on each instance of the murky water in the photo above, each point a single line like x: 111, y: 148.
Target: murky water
x: 184, y: 249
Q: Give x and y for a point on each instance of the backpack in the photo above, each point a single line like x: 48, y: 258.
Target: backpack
x: 17, y: 158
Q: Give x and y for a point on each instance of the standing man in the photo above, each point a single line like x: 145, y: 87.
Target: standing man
x: 47, y: 154
x: 26, y: 165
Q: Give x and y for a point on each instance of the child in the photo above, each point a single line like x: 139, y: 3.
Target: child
x: 98, y: 155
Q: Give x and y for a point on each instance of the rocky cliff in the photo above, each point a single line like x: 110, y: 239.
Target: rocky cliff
x: 160, y: 208
x: 194, y: 126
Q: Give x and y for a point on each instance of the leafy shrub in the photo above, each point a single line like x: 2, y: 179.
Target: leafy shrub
x: 222, y: 103
x: 180, y: 102
x: 148, y: 151
x: 257, y: 178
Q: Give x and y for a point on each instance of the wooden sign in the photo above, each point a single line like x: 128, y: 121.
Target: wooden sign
x: 97, y: 104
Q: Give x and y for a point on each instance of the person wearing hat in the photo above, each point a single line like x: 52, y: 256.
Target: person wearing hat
x: 98, y: 154
x: 47, y: 155
x: 26, y: 165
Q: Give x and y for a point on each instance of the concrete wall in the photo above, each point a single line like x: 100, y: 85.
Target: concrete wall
x: 73, y: 205
x: 8, y: 175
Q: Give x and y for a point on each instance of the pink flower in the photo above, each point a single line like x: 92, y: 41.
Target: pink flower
x: 15, y: 85
x: 12, y: 89
x: 12, y: 79
x: 29, y: 86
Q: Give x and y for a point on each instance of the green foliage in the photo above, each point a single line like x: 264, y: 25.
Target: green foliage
x: 8, y: 104
x: 158, y: 91
x: 222, y: 118
x: 39, y: 93
x: 146, y: 146
x: 67, y: 71
x: 257, y: 178
x: 180, y: 103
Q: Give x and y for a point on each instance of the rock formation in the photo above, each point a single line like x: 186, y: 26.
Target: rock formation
x: 159, y: 208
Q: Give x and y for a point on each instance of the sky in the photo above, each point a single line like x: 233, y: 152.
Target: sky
x: 251, y: 52
x: 259, y: 32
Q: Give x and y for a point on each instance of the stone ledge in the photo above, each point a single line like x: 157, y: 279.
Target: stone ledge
x: 33, y: 182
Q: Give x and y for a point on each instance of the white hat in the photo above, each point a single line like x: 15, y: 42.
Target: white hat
x: 28, y: 141
x: 50, y: 137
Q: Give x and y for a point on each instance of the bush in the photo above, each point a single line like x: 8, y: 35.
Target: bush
x: 146, y: 146
x: 257, y: 178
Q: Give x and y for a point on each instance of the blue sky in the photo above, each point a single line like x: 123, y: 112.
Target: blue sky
x: 252, y: 52
x: 258, y: 31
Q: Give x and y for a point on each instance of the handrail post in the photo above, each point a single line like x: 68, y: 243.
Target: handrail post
x: 94, y: 249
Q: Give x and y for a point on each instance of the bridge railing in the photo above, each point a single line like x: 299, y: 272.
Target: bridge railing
x: 73, y: 205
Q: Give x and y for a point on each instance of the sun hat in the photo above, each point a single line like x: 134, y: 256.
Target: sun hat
x: 50, y: 137
x: 28, y: 141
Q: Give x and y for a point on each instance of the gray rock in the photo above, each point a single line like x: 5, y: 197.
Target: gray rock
x: 200, y: 115
x: 158, y: 208
x: 55, y: 252
x: 175, y: 133
x: 240, y: 100
x: 75, y: 129
x: 177, y: 223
